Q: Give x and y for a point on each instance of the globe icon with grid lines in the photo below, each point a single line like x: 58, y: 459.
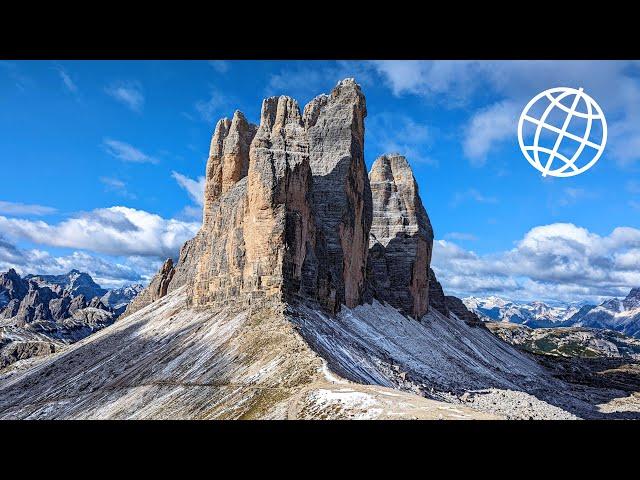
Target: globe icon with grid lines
x: 569, y: 152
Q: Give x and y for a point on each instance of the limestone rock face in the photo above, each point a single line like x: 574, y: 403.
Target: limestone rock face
x: 35, y: 304
x: 456, y: 306
x: 157, y: 288
x: 12, y: 286
x: 288, y: 210
x: 341, y: 194
x: 297, y: 225
x: 437, y: 299
x: 228, y: 158
x: 401, y: 237
x: 279, y: 227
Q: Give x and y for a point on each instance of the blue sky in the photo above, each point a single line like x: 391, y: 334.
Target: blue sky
x: 103, y: 163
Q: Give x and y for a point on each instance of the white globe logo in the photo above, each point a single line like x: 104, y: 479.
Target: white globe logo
x: 591, y: 118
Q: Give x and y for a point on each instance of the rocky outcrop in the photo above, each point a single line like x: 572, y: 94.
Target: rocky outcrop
x: 401, y: 237
x: 287, y: 207
x: 118, y: 298
x: 35, y: 304
x: 341, y: 194
x: 12, y: 287
x: 73, y: 283
x: 228, y: 160
x: 157, y: 288
x: 279, y: 227
x: 459, y: 309
x: 437, y: 299
x: 632, y: 301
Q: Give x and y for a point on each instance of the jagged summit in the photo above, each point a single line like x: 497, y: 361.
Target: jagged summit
x: 287, y: 208
x: 401, y: 237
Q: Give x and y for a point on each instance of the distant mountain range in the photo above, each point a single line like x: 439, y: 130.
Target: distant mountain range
x: 613, y: 314
x: 41, y: 313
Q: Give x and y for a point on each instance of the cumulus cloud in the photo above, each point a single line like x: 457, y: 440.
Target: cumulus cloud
x: 126, y: 152
x: 108, y: 273
x: 560, y: 261
x: 128, y: 93
x: 487, y: 127
x: 195, y: 188
x: 113, y: 231
x: 462, y: 83
x: 13, y: 208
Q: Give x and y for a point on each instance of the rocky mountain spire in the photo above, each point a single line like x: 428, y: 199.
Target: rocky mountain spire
x: 279, y: 227
x: 401, y: 238
x: 341, y: 192
x: 289, y: 208
x: 228, y: 158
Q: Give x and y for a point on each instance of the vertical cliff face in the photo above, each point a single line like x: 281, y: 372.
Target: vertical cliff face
x: 279, y: 225
x: 341, y: 192
x: 401, y: 237
x: 437, y: 299
x: 228, y: 159
x: 289, y: 209
x: 157, y: 288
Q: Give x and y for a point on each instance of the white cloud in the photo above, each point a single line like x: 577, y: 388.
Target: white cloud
x: 461, y: 236
x: 67, y: 81
x: 108, y: 273
x: 126, y: 152
x: 12, y: 208
x: 560, y: 261
x: 128, y: 93
x: 210, y: 109
x: 113, y: 231
x: 463, y: 83
x: 471, y: 195
x: 195, y: 188
x: 220, y: 66
x: 396, y: 133
x: 487, y: 127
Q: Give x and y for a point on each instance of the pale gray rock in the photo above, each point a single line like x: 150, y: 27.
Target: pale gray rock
x: 341, y: 194
x: 401, y: 237
x: 437, y: 298
x: 73, y: 283
x: 157, y: 288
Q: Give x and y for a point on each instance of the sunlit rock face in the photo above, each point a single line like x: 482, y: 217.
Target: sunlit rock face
x: 291, y: 213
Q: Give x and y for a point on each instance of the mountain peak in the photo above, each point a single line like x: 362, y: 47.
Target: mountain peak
x: 633, y: 299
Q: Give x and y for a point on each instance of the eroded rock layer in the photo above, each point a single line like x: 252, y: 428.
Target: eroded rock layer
x: 401, y: 237
x: 289, y: 209
x: 341, y: 192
